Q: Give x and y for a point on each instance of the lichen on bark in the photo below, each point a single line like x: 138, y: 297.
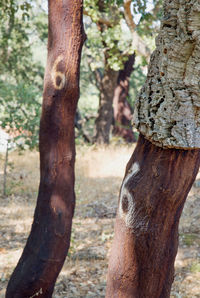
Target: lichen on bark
x: 167, y: 111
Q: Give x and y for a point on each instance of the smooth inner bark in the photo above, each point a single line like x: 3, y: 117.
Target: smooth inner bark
x: 49, y: 240
x: 152, y: 196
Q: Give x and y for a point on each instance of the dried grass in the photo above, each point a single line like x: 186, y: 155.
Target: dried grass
x: 99, y: 172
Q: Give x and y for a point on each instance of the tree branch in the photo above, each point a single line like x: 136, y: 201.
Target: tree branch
x: 138, y: 43
x: 128, y: 16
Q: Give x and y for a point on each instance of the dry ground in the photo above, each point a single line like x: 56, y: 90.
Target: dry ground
x: 99, y: 174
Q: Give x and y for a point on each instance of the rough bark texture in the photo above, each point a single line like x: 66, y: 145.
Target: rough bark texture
x: 167, y: 111
x: 152, y: 196
x: 123, y: 112
x: 49, y: 240
x: 105, y: 113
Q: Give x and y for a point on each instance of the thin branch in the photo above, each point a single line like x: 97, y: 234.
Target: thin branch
x: 128, y: 16
x: 138, y: 43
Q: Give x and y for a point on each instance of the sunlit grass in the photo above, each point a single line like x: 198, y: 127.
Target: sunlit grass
x: 91, y: 162
x: 99, y: 173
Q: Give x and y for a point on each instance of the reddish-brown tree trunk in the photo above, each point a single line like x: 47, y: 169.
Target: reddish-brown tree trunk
x: 152, y: 196
x: 49, y: 240
x: 122, y: 110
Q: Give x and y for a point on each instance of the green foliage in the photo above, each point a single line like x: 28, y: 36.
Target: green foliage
x: 195, y: 268
x: 105, y: 39
x: 109, y: 42
x: 137, y: 80
x: 21, y: 109
x: 20, y: 77
x: 189, y: 239
x: 118, y: 45
x: 23, y: 27
x: 92, y: 56
x: 10, y: 7
x: 40, y: 22
x: 91, y: 7
x: 149, y: 21
x: 111, y: 38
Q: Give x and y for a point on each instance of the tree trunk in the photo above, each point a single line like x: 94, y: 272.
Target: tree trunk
x: 153, y: 192
x: 105, y: 113
x: 157, y: 180
x: 122, y: 109
x: 107, y: 85
x: 49, y: 240
x: 81, y: 130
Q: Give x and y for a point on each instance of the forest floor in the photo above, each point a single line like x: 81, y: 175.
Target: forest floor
x: 99, y: 173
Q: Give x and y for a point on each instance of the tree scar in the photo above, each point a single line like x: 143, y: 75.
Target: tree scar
x: 58, y: 77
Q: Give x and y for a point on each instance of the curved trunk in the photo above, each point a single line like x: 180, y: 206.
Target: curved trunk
x: 153, y: 192
x: 122, y: 109
x: 49, y: 240
x: 158, y: 180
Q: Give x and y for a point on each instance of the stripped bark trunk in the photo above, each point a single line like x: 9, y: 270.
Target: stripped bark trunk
x: 152, y: 197
x: 49, y: 240
x: 157, y: 180
x: 123, y: 112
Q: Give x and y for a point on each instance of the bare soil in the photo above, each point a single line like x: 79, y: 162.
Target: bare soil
x: 99, y: 172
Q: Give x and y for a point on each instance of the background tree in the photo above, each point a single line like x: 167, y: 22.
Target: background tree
x: 164, y: 164
x: 20, y: 78
x: 49, y: 240
x: 116, y: 47
x: 123, y: 111
x: 107, y: 18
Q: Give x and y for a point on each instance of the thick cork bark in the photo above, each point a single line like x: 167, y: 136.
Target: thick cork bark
x: 167, y: 111
x: 152, y: 196
x: 49, y: 240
